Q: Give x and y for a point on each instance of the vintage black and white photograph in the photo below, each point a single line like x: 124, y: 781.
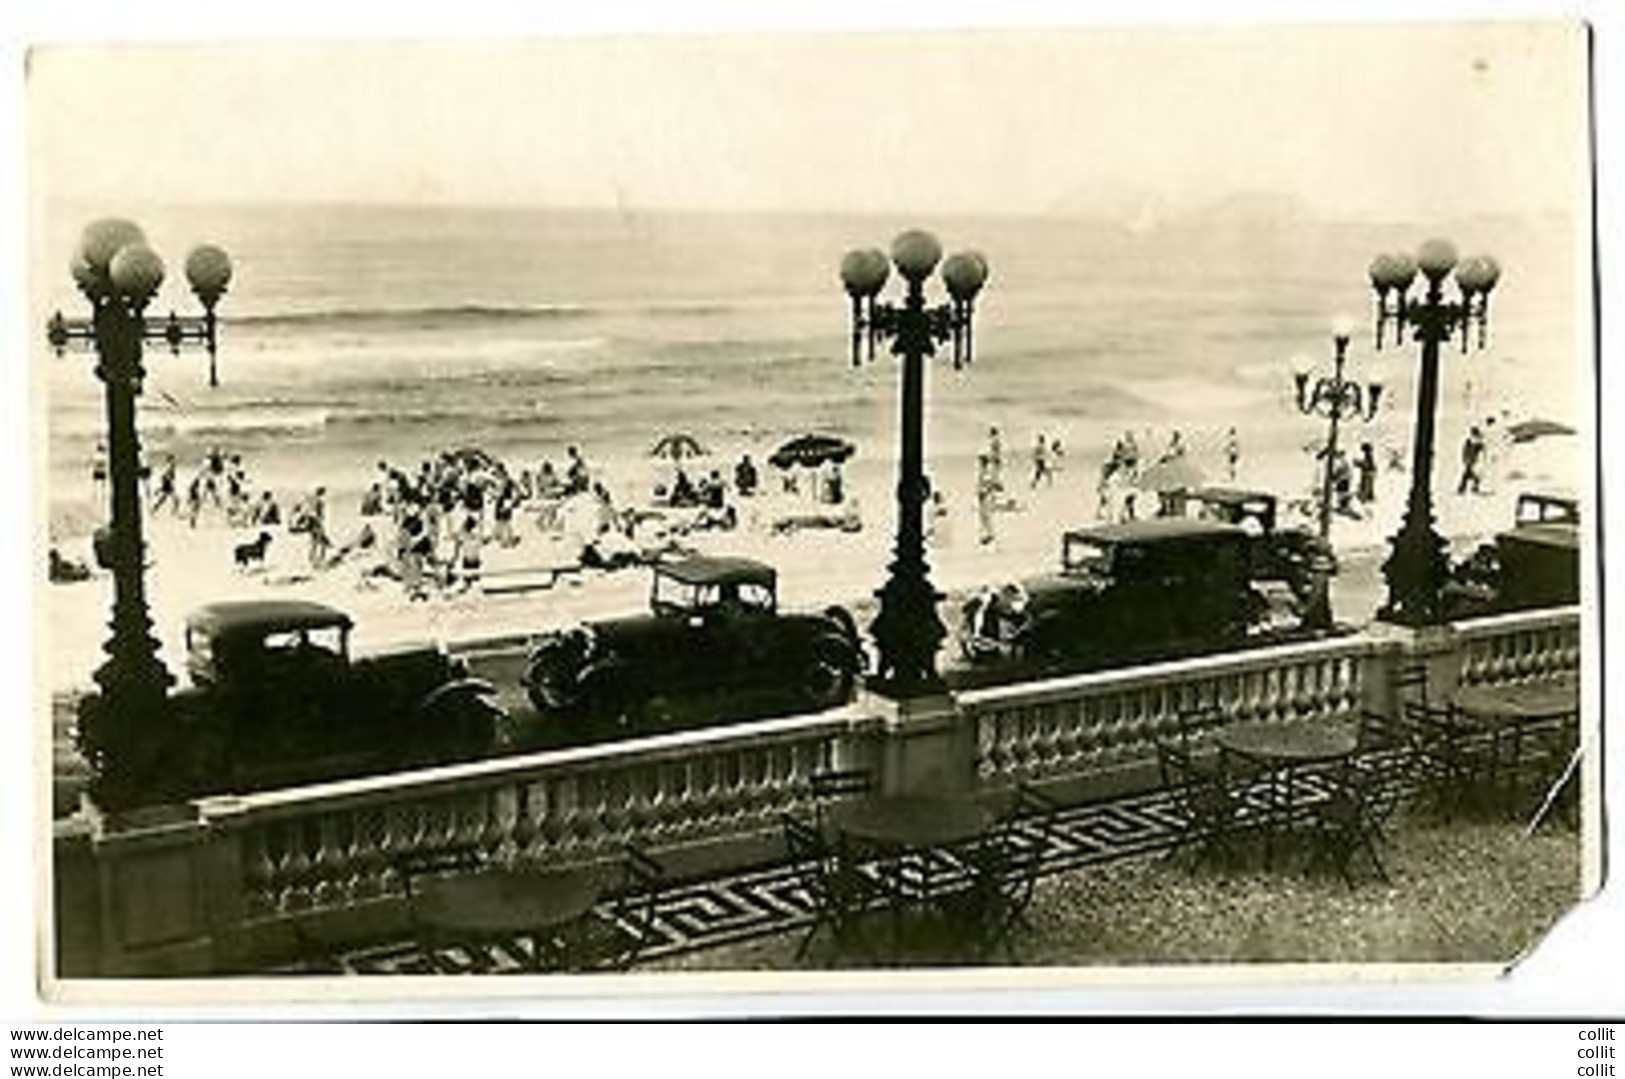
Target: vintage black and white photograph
x: 642, y: 506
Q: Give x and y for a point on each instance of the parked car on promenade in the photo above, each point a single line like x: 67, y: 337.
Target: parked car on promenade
x: 277, y: 699
x: 1125, y: 592
x: 713, y: 646
x: 1535, y: 563
x: 1289, y: 555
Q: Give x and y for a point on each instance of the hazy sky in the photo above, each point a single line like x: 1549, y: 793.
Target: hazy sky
x: 1386, y: 120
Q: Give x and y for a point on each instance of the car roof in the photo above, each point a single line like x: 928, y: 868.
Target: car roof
x: 718, y: 569
x: 1568, y: 495
x: 265, y: 615
x: 1232, y: 494
x: 1155, y: 528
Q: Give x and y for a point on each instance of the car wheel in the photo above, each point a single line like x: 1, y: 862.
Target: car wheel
x: 827, y: 681
x: 547, y: 694
x: 551, y: 683
x: 463, y: 725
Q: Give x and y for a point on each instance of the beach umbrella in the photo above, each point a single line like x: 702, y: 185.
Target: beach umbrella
x: 1174, y: 474
x: 471, y: 457
x: 812, y: 450
x: 1542, y: 462
x: 679, y: 446
x: 1529, y: 430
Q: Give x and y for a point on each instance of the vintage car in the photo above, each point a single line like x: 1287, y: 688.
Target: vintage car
x: 713, y: 646
x: 1535, y: 563
x: 1130, y: 591
x: 276, y: 699
x: 1289, y: 555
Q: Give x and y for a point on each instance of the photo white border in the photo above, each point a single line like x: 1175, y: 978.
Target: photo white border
x: 1572, y: 973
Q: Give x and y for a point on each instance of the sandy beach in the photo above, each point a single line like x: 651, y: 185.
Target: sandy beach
x: 817, y: 566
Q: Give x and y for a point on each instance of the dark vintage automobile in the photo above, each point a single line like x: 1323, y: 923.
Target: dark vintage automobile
x: 1535, y: 563
x: 1132, y: 591
x: 276, y: 698
x: 713, y: 646
x: 1288, y: 555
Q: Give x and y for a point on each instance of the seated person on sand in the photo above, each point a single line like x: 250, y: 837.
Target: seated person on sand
x: 266, y: 511
x: 548, y: 484
x: 609, y: 550
x: 683, y: 492
x: 67, y: 570
x: 712, y: 491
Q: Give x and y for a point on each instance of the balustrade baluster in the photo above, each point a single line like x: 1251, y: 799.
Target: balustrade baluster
x: 1070, y: 731
x: 579, y: 804
x: 298, y: 867
x: 526, y: 826
x: 501, y: 817
x: 259, y: 872
x: 328, y: 864
x: 369, y: 855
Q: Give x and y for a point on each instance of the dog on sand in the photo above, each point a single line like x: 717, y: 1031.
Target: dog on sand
x: 252, y: 553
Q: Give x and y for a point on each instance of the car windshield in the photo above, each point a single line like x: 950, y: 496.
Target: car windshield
x: 1543, y: 509
x: 671, y: 594
x: 1081, y: 555
x: 290, y: 641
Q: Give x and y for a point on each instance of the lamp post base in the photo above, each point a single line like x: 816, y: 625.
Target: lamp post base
x: 907, y: 632
x: 1416, y: 573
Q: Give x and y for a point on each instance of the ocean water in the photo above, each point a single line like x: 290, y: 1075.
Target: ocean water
x: 355, y: 334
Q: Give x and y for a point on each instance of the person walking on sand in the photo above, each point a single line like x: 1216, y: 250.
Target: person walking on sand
x: 194, y: 500
x: 745, y: 477
x: 995, y: 456
x: 1103, y: 487
x: 315, y: 523
x: 502, y: 513
x: 1232, y: 453
x: 166, y: 488
x: 987, y: 494
x: 1176, y: 448
x: 1472, y: 455
x: 98, y: 469
x: 1041, y: 463
x: 1366, y: 465
x: 468, y: 551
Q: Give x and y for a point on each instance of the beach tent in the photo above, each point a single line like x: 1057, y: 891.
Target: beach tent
x: 812, y: 451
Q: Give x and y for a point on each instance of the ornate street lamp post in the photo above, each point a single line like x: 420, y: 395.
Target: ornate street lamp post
x: 907, y: 629
x: 1336, y: 398
x: 124, y: 728
x: 1417, y: 568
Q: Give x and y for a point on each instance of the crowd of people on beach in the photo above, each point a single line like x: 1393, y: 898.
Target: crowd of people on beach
x: 220, y: 486
x: 442, y: 514
x: 430, y: 525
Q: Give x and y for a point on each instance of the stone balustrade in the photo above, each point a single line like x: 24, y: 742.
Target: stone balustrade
x: 1109, y: 722
x: 333, y: 845
x: 218, y: 884
x: 1523, y: 647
